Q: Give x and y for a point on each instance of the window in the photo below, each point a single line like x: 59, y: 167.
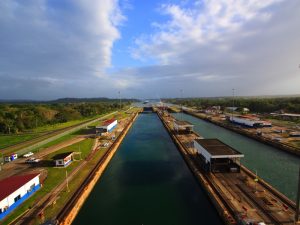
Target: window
x: 17, y: 198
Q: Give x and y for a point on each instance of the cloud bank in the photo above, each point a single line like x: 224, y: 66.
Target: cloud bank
x: 212, y: 46
x: 56, y: 48
x: 64, y: 48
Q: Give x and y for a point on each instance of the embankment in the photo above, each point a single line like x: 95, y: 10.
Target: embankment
x: 284, y: 147
x: 223, y: 209
x: 71, y: 209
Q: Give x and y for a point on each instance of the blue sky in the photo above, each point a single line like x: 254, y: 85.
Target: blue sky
x: 76, y: 48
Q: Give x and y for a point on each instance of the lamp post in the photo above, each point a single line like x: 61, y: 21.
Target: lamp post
x: 181, y: 112
x: 120, y: 99
x: 232, y: 103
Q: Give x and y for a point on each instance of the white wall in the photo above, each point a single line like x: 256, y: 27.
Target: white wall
x: 110, y: 126
x: 8, y: 201
x: 202, y: 151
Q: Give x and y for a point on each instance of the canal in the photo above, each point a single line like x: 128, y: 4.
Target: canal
x: 277, y: 167
x: 147, y: 182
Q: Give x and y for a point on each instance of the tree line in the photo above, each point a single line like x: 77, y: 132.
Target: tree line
x: 16, y: 118
x: 258, y: 105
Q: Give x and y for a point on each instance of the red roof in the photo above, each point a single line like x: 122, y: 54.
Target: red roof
x: 11, y: 184
x: 107, y: 122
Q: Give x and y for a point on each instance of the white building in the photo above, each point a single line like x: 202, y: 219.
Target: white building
x: 15, y: 190
x: 63, y: 159
x: 250, y: 121
x: 106, y: 126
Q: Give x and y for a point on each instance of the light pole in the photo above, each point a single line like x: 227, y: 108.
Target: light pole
x: 181, y: 112
x: 2, y: 161
x: 120, y: 99
x: 232, y: 103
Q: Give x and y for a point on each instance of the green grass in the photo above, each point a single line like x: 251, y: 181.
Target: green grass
x: 57, y: 126
x: 8, y: 140
x: 54, y: 177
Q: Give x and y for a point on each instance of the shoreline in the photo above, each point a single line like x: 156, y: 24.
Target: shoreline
x: 289, y: 149
x: 228, y: 212
x: 74, y: 204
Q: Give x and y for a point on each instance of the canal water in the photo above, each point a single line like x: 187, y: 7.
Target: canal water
x: 278, y: 168
x: 147, y: 182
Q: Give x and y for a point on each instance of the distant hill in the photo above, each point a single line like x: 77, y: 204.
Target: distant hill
x: 64, y: 100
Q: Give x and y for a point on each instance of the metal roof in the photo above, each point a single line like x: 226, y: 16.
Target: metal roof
x: 216, y: 147
x: 183, y: 123
x: 11, y: 184
x: 62, y: 155
x: 107, y: 122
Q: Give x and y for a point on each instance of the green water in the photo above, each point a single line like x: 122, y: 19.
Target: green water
x: 278, y: 168
x: 147, y: 182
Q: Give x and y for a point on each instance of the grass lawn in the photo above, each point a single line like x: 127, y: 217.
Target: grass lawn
x: 8, y: 140
x: 64, y: 196
x: 54, y: 177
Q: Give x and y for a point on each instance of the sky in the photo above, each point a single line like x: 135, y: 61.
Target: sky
x: 148, y: 49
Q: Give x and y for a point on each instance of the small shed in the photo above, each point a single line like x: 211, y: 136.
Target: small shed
x: 217, y: 156
x: 15, y: 190
x: 63, y: 159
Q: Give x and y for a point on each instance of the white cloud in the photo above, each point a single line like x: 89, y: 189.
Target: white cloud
x: 250, y: 45
x: 57, y: 40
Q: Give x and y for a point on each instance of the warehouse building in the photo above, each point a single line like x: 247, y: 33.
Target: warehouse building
x: 106, y: 126
x: 15, y: 190
x: 63, y: 159
x: 250, y: 121
x: 183, y: 126
x: 217, y: 156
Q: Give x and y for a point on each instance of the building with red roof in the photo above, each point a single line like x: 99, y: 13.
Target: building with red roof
x: 15, y: 190
x: 106, y: 126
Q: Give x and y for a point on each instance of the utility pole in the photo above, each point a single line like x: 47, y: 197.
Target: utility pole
x: 232, y: 103
x: 2, y: 160
x: 120, y: 99
x: 297, y: 199
x: 181, y: 112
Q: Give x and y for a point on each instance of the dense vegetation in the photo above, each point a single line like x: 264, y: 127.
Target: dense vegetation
x: 259, y: 105
x: 18, y: 117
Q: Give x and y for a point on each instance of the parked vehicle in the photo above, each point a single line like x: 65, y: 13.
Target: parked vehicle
x: 27, y: 154
x: 11, y: 157
x: 32, y: 160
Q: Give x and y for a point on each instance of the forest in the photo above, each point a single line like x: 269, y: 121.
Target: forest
x: 255, y: 104
x: 19, y: 117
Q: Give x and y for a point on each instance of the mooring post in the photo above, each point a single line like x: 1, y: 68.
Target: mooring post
x: 297, y: 200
